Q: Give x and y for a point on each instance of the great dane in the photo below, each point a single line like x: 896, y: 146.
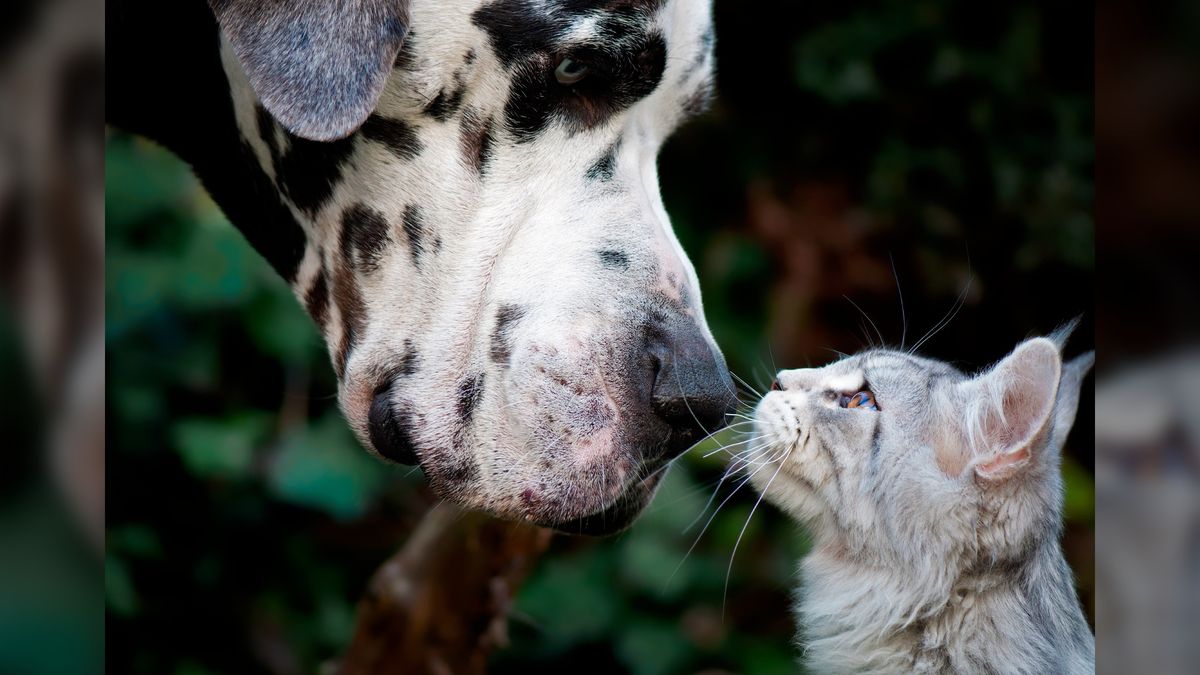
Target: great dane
x: 463, y: 194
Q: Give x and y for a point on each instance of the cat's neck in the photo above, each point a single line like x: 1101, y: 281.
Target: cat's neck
x: 1020, y: 616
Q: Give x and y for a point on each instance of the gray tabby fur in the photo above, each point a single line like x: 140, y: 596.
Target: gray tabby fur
x: 936, y: 519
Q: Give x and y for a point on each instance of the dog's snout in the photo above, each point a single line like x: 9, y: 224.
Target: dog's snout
x: 692, y: 390
x: 388, y: 429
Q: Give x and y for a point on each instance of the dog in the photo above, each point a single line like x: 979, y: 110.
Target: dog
x: 463, y: 195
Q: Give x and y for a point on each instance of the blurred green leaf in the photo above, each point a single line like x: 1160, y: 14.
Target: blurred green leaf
x: 321, y: 466
x: 571, y: 599
x: 281, y: 328
x: 1079, y: 503
x: 119, y: 595
x: 653, y: 647
x: 221, y: 447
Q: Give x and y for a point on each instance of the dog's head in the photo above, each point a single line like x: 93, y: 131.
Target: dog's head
x: 487, y: 252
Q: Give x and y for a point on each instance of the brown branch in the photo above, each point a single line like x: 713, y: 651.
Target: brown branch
x: 440, y: 604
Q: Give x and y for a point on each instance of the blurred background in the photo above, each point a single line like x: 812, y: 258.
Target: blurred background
x: 933, y: 150
x: 857, y: 153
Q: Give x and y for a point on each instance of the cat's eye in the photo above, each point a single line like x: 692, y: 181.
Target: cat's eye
x: 570, y: 71
x: 862, y: 399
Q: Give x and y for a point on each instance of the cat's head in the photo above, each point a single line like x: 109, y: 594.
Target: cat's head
x: 901, y: 458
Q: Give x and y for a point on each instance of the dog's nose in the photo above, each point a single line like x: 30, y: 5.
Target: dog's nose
x: 388, y: 429
x: 692, y: 389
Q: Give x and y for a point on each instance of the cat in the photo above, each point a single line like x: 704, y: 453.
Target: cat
x: 934, y: 500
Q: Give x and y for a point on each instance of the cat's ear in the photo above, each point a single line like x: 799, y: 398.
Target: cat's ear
x: 1009, y: 409
x: 1069, y: 386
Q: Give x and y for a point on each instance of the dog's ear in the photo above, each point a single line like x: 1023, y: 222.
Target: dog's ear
x: 319, y: 66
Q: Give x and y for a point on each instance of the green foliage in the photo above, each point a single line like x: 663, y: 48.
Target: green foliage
x: 322, y: 467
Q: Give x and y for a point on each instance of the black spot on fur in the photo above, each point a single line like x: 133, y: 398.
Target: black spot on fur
x: 405, y: 366
x: 476, y: 140
x: 409, y: 359
x: 316, y: 299
x: 365, y: 231
x: 470, y: 393
x: 446, y: 103
x: 604, y: 168
x: 469, y: 57
x: 627, y: 62
x: 462, y: 470
x: 348, y: 299
x: 506, y: 317
x: 389, y: 425
x: 414, y: 227
x: 405, y: 57
x: 397, y: 135
x: 310, y: 170
x: 614, y: 260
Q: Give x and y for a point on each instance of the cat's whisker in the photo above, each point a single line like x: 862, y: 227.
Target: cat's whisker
x: 903, y: 315
x: 732, y: 555
x: 959, y: 302
x: 724, y: 476
x: 872, y: 322
x: 704, y: 529
x: 724, y: 448
x: 770, y: 374
x: 840, y: 354
x: 732, y: 429
x: 750, y: 457
x: 746, y: 384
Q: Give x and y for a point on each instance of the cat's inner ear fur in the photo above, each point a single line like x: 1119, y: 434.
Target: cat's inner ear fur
x: 318, y: 66
x: 1009, y: 408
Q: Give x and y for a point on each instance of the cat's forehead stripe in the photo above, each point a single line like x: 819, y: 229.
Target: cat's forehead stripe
x: 902, y: 362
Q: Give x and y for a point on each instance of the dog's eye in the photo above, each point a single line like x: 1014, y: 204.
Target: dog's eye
x: 570, y: 71
x: 862, y: 399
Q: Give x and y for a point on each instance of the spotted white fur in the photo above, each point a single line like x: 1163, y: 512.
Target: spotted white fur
x: 551, y: 435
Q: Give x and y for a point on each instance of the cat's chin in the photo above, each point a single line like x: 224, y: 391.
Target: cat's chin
x: 792, y: 494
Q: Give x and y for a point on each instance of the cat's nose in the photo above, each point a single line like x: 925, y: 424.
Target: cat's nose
x: 692, y: 390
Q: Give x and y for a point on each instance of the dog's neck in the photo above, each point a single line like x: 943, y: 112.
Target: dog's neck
x: 858, y: 617
x: 166, y: 83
